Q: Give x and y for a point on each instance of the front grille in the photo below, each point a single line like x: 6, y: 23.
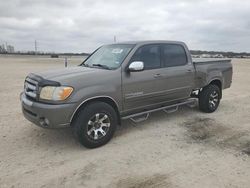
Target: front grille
x: 31, y: 88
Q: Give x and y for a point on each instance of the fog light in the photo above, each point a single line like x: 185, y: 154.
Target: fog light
x: 44, y: 122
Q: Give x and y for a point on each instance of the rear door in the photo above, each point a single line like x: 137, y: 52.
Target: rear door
x: 141, y: 89
x: 177, y: 73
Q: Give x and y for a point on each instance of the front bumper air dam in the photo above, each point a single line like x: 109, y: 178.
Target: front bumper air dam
x: 47, y: 115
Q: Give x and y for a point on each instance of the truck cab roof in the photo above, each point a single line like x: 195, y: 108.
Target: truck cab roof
x: 143, y: 42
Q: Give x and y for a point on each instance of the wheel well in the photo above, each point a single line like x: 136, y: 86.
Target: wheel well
x: 100, y: 99
x: 217, y: 83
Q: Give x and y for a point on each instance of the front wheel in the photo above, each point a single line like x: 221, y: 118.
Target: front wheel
x: 95, y: 124
x: 209, y: 98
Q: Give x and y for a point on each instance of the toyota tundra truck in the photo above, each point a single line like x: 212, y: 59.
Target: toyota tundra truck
x: 122, y: 81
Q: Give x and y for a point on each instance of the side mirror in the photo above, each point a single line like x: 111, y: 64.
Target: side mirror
x: 136, y: 66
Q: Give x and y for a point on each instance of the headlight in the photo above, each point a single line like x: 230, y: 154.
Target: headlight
x: 55, y: 93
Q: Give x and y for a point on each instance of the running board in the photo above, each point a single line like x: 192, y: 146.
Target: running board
x: 171, y: 110
x: 137, y: 117
x: 140, y: 118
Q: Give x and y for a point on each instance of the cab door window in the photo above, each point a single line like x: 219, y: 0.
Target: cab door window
x: 173, y: 55
x: 149, y: 55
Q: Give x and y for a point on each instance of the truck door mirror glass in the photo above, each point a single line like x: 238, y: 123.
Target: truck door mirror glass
x: 136, y: 66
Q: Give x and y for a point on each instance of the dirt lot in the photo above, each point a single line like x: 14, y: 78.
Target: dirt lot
x: 183, y: 149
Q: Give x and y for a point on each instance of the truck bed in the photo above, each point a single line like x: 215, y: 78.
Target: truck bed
x: 208, y: 69
x: 210, y: 60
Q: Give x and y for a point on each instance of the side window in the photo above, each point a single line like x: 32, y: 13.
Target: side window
x: 150, y: 55
x: 173, y: 55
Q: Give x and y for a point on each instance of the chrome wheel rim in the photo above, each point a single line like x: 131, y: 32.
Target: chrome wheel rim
x: 213, y: 99
x: 98, y: 126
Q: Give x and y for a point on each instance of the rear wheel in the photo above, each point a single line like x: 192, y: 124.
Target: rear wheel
x: 95, y: 124
x: 209, y: 98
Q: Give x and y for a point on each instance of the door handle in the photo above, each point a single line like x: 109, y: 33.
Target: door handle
x: 157, y: 75
x: 189, y: 70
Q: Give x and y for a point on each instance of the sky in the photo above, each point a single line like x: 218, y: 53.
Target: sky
x: 84, y: 25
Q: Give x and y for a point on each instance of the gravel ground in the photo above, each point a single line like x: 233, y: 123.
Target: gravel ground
x: 187, y: 148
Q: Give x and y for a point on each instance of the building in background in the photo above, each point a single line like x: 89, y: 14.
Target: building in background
x: 10, y: 49
x: 7, y: 48
x: 2, y: 49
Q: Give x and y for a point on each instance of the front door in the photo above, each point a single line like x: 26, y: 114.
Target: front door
x: 141, y: 89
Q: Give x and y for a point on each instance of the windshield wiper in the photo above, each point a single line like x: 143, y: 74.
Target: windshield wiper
x: 85, y: 65
x: 102, y: 66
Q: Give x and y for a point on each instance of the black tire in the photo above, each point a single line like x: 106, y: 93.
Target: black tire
x: 86, y: 117
x: 206, y: 98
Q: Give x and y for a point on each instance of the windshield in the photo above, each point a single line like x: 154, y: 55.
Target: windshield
x: 109, y: 56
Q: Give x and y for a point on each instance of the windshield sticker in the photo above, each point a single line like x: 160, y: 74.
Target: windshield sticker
x: 117, y: 51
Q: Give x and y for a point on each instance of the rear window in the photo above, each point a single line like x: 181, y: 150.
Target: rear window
x: 173, y: 55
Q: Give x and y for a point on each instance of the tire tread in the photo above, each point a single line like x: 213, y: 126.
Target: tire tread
x: 204, y: 96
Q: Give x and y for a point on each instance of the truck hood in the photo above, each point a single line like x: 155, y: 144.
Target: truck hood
x: 78, y: 77
x: 67, y: 73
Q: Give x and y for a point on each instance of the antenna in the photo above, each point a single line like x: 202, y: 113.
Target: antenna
x: 35, y: 47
